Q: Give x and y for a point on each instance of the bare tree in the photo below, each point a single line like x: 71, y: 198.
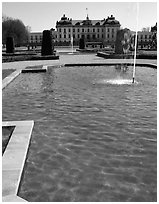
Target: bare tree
x: 14, y: 28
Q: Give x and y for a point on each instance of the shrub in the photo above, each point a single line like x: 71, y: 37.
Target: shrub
x: 118, y: 45
x: 123, y: 41
x: 47, y: 48
x: 81, y: 43
x: 9, y: 45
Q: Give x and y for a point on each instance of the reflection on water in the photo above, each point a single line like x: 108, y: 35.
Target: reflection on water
x: 117, y: 81
x: 91, y: 141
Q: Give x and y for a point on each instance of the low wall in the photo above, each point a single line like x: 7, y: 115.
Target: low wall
x: 129, y: 56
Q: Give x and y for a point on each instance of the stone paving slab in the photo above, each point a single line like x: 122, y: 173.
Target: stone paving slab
x: 14, y: 158
x: 67, y: 59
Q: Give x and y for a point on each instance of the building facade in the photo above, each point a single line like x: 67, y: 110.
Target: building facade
x: 97, y: 33
x: 35, y: 38
x: 144, y: 38
x: 102, y: 31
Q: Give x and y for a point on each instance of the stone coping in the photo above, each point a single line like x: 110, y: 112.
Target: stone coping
x: 13, y: 159
x: 35, y: 70
x: 113, y: 63
x: 10, y: 78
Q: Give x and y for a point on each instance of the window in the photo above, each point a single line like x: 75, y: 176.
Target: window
x: 78, y: 36
x: 69, y: 30
x: 108, y: 30
x: 73, y: 30
x: 82, y: 29
x: 94, y: 36
x: 98, y: 30
x: 112, y: 36
x: 60, y: 35
x: 112, y: 30
x: 108, y: 35
x: 64, y: 36
x: 64, y: 30
x: 102, y: 36
x: 78, y: 30
x: 73, y: 35
x: 93, y: 29
x: 88, y: 30
x: 88, y: 37
x: 98, y: 36
x: 59, y: 29
x: 69, y: 36
x: 145, y: 36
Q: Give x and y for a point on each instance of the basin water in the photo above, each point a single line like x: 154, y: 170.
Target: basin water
x: 95, y: 133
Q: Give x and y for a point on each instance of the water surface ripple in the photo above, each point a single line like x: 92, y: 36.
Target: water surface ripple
x: 92, y: 141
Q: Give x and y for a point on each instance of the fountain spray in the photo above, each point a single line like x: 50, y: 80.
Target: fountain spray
x: 137, y: 15
x: 72, y: 43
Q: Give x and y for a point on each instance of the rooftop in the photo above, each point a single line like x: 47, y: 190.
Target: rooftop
x: 66, y: 21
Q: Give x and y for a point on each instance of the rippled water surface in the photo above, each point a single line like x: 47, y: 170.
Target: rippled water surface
x: 92, y: 140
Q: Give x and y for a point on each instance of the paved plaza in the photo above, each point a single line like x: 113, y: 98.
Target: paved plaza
x: 70, y: 59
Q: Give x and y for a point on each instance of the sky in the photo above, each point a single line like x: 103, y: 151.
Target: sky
x: 43, y: 15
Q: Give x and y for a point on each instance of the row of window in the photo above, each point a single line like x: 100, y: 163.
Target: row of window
x: 145, y: 36
x: 144, y: 40
x: 36, y: 37
x: 86, y: 36
x: 40, y: 37
x: 36, y: 41
x: 85, y: 30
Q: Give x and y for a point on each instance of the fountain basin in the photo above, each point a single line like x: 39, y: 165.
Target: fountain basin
x: 91, y: 141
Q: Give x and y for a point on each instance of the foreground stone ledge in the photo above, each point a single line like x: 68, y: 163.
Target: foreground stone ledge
x: 13, y: 198
x: 113, y: 63
x: 10, y: 78
x: 14, y: 158
x: 35, y: 70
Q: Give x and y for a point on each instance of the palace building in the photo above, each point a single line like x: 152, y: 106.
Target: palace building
x: 95, y: 31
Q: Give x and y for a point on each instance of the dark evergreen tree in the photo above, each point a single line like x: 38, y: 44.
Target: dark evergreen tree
x: 81, y: 43
x: 47, y: 48
x: 118, y: 44
x: 9, y: 45
x: 123, y: 41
